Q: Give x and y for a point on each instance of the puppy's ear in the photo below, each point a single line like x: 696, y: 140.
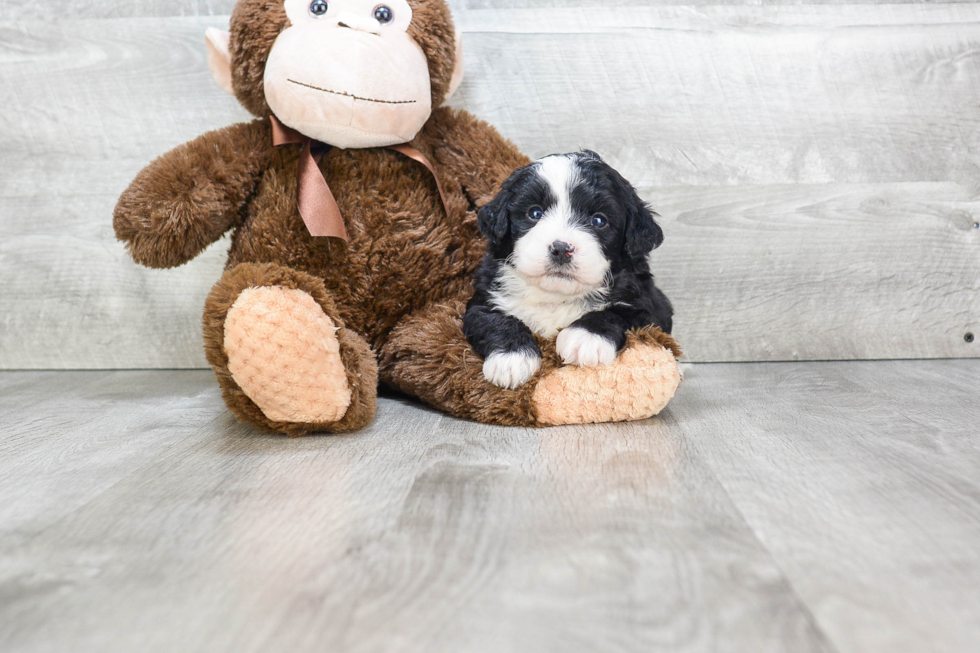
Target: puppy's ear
x: 494, y: 218
x: 643, y: 234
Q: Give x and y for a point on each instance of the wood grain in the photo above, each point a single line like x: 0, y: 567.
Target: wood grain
x: 30, y: 10
x: 469, y: 5
x: 816, y: 168
x: 863, y: 479
x: 22, y: 10
x: 111, y: 97
x: 419, y: 533
x: 772, y: 507
x: 67, y: 437
x: 736, y: 95
x: 821, y: 271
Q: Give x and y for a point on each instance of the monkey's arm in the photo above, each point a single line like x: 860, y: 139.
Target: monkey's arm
x: 189, y: 197
x: 473, y: 152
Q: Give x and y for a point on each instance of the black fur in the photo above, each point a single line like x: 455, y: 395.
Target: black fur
x: 491, y: 331
x: 632, y: 232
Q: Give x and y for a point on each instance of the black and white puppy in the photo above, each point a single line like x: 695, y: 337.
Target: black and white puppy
x: 567, y: 256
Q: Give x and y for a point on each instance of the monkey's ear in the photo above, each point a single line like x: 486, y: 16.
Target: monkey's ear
x: 457, y: 77
x: 219, y: 57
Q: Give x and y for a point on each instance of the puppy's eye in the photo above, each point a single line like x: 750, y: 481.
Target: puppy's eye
x: 599, y: 221
x: 383, y: 14
x: 318, y: 8
x: 535, y: 213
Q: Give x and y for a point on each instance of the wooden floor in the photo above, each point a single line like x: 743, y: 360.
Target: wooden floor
x: 773, y: 507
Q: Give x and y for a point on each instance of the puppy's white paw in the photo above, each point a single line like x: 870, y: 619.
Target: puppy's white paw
x: 511, y: 369
x: 580, y: 347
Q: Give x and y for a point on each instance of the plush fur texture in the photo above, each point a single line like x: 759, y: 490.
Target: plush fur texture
x: 396, y: 291
x: 189, y: 197
x: 358, y: 359
x: 428, y: 357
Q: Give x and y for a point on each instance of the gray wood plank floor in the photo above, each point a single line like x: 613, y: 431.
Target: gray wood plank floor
x: 772, y: 507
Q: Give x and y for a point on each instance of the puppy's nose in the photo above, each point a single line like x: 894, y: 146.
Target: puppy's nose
x: 562, y: 252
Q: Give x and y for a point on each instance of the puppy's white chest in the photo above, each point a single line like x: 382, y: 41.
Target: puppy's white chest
x: 547, y: 318
x: 545, y: 313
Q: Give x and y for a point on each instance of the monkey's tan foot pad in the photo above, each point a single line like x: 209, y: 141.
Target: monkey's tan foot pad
x: 284, y: 354
x: 637, y: 385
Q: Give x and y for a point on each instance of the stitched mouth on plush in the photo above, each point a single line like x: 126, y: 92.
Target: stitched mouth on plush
x: 349, y: 95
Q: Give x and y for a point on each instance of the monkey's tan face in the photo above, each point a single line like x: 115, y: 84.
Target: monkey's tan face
x: 346, y: 72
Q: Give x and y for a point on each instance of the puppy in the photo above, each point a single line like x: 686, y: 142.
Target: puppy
x: 566, y: 257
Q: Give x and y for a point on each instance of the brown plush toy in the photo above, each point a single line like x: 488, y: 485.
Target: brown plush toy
x: 301, y: 327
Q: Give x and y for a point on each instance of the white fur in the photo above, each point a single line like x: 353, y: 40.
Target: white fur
x: 532, y: 256
x: 510, y: 370
x: 529, y: 287
x: 580, y: 347
x: 561, y: 174
x: 544, y: 312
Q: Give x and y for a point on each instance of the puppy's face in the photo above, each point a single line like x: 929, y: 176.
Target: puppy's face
x: 566, y: 222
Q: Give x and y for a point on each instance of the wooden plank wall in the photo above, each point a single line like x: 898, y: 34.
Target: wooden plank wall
x: 817, y: 167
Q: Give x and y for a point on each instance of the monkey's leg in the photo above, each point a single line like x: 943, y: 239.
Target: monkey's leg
x: 282, y: 355
x: 637, y: 385
x: 427, y: 356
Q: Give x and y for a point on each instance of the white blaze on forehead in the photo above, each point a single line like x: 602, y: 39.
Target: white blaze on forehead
x: 561, y: 174
x: 533, y: 290
x: 586, y: 271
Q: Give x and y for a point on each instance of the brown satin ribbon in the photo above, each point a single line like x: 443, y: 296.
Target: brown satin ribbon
x: 317, y: 205
x: 415, y: 155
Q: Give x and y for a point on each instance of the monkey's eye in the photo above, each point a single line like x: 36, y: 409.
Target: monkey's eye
x: 535, y: 213
x: 599, y: 221
x: 318, y: 8
x: 383, y: 14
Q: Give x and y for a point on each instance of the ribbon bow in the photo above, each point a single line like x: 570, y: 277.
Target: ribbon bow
x: 317, y: 205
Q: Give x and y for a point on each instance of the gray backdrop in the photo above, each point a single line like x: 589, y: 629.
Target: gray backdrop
x: 817, y: 165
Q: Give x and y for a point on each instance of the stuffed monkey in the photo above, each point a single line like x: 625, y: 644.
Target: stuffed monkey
x: 353, y: 201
